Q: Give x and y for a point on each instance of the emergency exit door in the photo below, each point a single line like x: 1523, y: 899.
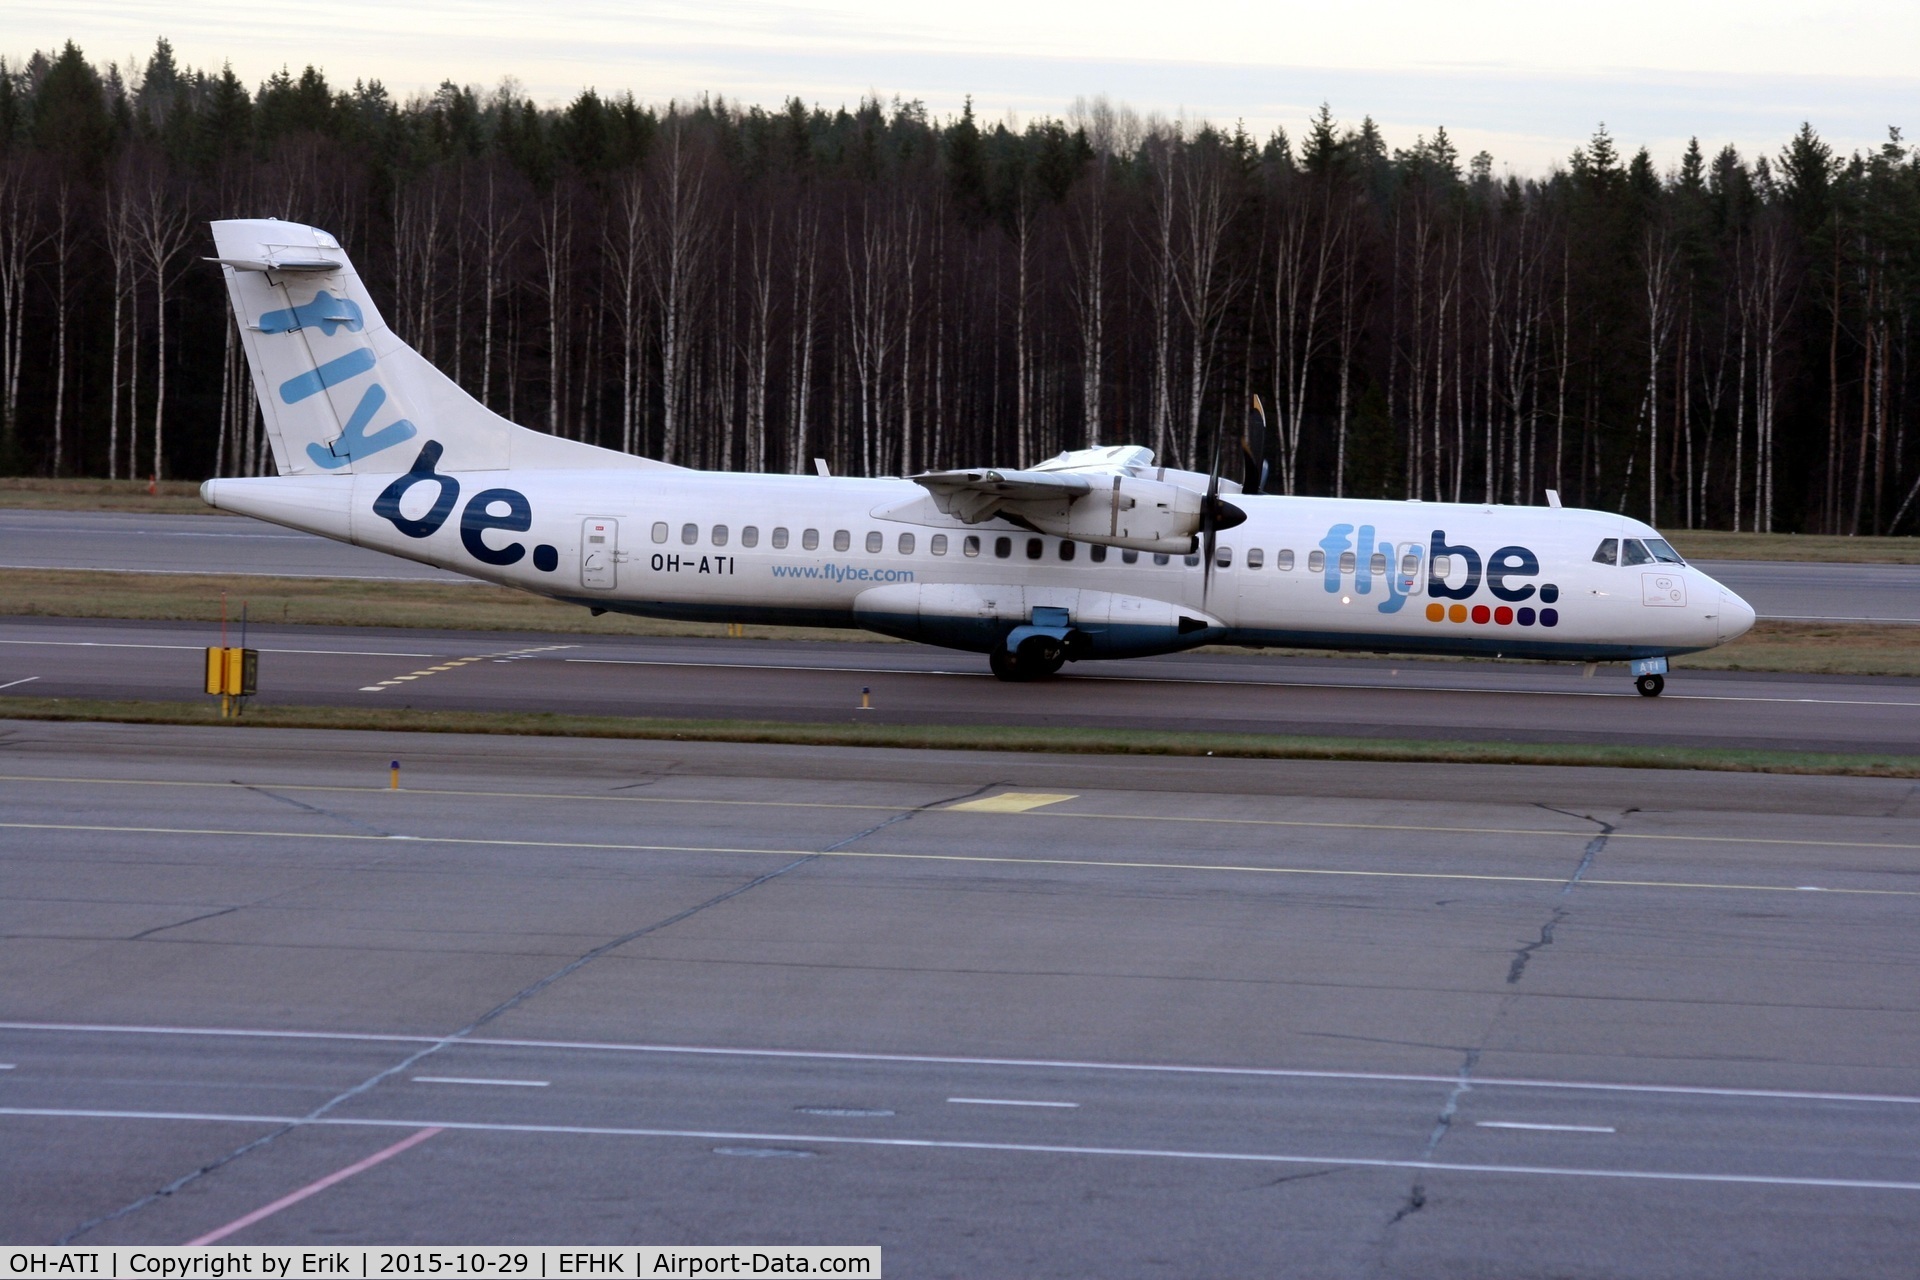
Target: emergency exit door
x: 599, y: 553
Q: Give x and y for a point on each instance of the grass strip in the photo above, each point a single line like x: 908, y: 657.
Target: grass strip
x: 339, y: 602
x: 1036, y: 738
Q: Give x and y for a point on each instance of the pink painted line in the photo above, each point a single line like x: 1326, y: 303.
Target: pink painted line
x: 313, y: 1188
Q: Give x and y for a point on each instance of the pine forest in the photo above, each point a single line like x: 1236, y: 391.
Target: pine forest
x: 1722, y: 343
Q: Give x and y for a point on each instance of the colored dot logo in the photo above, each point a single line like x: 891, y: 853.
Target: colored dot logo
x: 1503, y: 616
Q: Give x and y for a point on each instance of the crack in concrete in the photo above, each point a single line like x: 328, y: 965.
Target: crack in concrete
x: 315, y: 809
x: 1462, y: 1084
x: 181, y: 924
x: 1523, y: 954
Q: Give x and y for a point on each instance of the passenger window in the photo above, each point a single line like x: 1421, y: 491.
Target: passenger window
x: 842, y: 539
x: 1347, y: 562
x: 810, y: 540
x: 779, y: 538
x: 1129, y: 556
x: 1378, y: 564
x: 1255, y: 557
x: 876, y: 542
x: 1002, y: 548
x: 1191, y: 561
x: 1283, y: 560
x: 660, y: 531
x: 1160, y: 557
x: 1409, y: 564
x: 971, y: 545
x: 1034, y: 548
x: 1066, y: 549
x: 1316, y: 561
x: 689, y: 533
x: 719, y: 535
x: 1663, y: 551
x: 749, y: 536
x: 906, y: 544
x: 1224, y: 558
x: 938, y: 545
x: 1097, y: 553
x: 1608, y: 552
x: 1633, y: 552
x: 1443, y: 567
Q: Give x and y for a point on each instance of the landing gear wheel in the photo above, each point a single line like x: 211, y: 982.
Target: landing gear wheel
x: 1650, y: 686
x: 1007, y: 666
x: 1037, y: 658
x: 1044, y: 657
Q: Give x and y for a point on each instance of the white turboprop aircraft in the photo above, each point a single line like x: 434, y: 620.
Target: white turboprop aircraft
x: 1093, y: 554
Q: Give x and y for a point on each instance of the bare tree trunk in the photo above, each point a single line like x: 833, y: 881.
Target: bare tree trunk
x: 1203, y: 295
x: 806, y: 259
x: 20, y: 239
x: 681, y: 235
x: 162, y: 225
x: 62, y: 304
x: 1088, y: 252
x: 1163, y: 276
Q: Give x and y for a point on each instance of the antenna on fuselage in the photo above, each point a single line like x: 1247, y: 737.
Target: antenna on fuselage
x: 1553, y: 497
x: 820, y: 469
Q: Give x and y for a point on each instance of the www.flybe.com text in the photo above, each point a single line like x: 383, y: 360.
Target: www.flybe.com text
x: 842, y: 573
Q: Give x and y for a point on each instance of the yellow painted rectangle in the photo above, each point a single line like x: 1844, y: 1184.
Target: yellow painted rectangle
x: 1010, y: 802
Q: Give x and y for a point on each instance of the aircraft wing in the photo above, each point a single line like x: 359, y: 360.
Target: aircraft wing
x: 977, y: 496
x: 1110, y: 495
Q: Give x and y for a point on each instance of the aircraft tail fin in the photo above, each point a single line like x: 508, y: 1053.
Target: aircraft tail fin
x: 338, y: 389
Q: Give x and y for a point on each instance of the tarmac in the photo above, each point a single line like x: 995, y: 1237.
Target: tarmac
x: 1000, y: 1014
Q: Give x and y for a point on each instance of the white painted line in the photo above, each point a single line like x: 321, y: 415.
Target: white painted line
x: 1009, y: 1102
x: 518, y: 1084
x: 952, y: 1060
x: 1023, y: 1148
x: 6, y: 1066
x: 373, y: 688
x: 23, y: 680
x: 328, y: 653
x: 338, y: 1175
x: 981, y: 859
x: 1544, y: 1128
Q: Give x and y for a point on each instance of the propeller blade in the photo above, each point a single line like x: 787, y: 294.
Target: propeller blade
x: 1253, y: 443
x: 1209, y: 523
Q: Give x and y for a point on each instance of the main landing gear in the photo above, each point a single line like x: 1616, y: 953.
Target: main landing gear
x: 1037, y: 658
x: 1650, y: 685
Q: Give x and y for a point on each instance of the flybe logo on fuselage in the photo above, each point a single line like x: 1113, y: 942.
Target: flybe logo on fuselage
x: 1358, y: 559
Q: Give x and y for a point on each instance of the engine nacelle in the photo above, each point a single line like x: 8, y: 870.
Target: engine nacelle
x: 1127, y: 511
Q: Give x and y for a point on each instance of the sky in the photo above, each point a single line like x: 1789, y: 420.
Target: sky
x: 1527, y: 82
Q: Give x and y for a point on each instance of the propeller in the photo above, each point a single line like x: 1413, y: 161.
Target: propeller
x: 1215, y: 515
x: 1253, y: 444
x: 1210, y: 523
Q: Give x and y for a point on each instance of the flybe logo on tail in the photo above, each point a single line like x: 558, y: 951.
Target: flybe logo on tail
x: 1397, y: 572
x: 330, y: 314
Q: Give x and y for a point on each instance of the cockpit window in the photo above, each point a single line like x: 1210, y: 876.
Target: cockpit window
x: 1663, y: 551
x: 1609, y: 551
x: 1633, y: 551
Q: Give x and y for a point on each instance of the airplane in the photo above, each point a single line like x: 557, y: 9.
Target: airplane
x: 1096, y: 553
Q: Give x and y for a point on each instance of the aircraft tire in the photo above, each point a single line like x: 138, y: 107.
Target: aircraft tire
x: 1650, y: 686
x: 1007, y: 666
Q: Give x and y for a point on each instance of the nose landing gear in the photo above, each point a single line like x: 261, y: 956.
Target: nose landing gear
x: 1650, y: 685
